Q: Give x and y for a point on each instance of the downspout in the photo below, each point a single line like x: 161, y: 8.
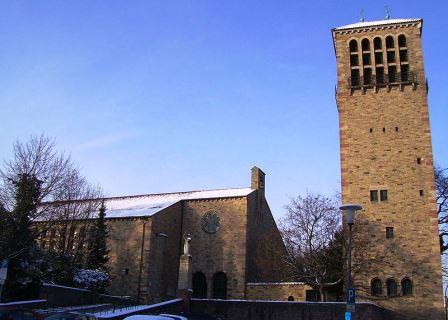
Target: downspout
x: 180, y: 240
x: 141, y: 261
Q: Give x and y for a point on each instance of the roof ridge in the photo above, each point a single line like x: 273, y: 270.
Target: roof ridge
x: 139, y: 195
x: 169, y: 193
x: 374, y: 23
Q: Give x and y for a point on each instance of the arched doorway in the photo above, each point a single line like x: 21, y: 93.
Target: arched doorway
x: 220, y: 286
x: 199, y: 285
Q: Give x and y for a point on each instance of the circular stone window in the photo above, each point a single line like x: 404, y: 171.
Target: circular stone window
x: 211, y: 222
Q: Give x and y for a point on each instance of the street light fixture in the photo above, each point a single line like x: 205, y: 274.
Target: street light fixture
x: 350, y: 210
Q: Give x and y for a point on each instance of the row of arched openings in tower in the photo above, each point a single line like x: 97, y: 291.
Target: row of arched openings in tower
x: 219, y: 288
x: 376, y: 287
x: 379, y: 64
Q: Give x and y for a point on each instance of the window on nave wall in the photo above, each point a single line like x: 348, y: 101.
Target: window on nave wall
x: 376, y: 287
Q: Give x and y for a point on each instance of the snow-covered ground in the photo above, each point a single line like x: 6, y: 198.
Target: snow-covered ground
x: 132, y: 309
x: 15, y: 303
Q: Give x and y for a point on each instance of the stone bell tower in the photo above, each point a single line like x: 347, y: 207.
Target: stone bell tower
x: 387, y: 165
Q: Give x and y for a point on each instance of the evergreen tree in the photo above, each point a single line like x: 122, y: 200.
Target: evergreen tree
x: 3, y: 227
x: 18, y: 243
x: 97, y: 251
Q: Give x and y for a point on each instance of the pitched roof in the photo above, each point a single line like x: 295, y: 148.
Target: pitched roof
x: 376, y: 23
x: 150, y: 204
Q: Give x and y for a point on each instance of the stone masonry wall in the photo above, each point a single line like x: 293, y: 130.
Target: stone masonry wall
x: 382, y: 134
x: 164, y: 253
x: 125, y: 257
x: 276, y: 310
x: 224, y: 250
x: 276, y: 291
x: 265, y: 248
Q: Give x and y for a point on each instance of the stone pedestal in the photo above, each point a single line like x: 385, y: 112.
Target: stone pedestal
x: 185, y: 295
x: 184, y: 290
x: 184, y: 281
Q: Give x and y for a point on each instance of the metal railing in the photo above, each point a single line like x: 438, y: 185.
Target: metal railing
x: 409, y: 77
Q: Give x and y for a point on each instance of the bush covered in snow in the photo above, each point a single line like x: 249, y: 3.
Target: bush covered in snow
x: 96, y: 280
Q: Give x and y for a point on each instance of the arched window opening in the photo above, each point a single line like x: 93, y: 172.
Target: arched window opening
x: 290, y: 298
x: 376, y: 287
x: 391, y: 285
x: 390, y: 42
x: 391, y: 56
x: 354, y: 79
x: 377, y: 44
x: 379, y: 75
x: 404, y: 73
x: 353, y: 46
x: 367, y: 76
x: 379, y: 57
x: 220, y: 286
x: 366, y: 59
x: 401, y: 41
x: 406, y: 287
x: 354, y: 61
x: 365, y: 44
x: 403, y: 55
x: 392, y: 74
x: 199, y: 286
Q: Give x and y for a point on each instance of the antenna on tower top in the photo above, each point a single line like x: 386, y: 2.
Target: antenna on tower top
x: 387, y: 12
x: 361, y: 19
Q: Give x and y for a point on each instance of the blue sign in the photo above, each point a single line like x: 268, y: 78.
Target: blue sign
x: 4, y: 264
x: 348, y: 316
x: 351, y: 295
x: 3, y: 270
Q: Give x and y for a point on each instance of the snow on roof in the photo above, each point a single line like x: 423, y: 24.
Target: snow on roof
x: 375, y: 23
x: 147, y: 205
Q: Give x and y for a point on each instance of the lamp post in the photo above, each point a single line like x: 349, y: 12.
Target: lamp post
x: 350, y: 210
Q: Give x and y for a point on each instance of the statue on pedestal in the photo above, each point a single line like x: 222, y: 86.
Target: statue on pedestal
x: 187, y: 239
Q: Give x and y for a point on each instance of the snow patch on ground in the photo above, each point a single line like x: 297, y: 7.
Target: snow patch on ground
x: 65, y: 287
x: 22, y: 302
x: 129, y: 310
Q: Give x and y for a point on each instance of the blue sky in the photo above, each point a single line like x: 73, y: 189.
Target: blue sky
x: 161, y: 96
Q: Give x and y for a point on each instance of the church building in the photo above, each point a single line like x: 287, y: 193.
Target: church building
x: 235, y: 244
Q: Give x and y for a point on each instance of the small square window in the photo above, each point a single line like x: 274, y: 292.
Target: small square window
x: 384, y: 129
x: 389, y: 232
x: 373, y: 195
x: 419, y: 160
x: 383, y: 195
x: 396, y: 129
x: 371, y: 129
x: 421, y: 193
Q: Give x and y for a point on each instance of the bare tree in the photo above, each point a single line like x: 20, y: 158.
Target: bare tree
x: 37, y: 158
x: 312, y: 233
x: 441, y: 180
x: 65, y: 195
x: 80, y: 202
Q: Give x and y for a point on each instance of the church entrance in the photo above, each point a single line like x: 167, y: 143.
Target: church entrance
x: 199, y: 286
x: 220, y: 286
